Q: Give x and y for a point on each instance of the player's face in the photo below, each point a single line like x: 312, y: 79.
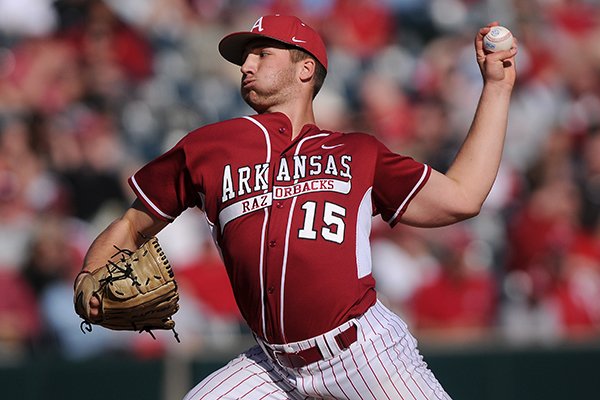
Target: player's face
x: 268, y: 76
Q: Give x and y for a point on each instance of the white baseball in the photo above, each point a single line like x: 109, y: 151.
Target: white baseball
x: 498, y: 39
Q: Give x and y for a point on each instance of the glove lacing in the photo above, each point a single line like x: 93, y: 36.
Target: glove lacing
x: 124, y: 274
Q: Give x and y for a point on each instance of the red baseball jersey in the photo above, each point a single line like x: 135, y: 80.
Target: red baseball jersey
x: 291, y: 218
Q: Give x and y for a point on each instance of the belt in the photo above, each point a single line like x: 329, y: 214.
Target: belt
x: 313, y: 354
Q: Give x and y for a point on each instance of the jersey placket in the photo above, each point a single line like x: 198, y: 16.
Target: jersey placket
x: 279, y: 237
x: 276, y: 243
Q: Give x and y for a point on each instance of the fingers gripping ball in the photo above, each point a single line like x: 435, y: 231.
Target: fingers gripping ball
x: 136, y: 292
x: 498, y: 39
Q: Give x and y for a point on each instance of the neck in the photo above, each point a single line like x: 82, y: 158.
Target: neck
x: 299, y: 115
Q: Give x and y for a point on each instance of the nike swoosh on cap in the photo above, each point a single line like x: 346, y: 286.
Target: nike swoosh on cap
x: 297, y: 40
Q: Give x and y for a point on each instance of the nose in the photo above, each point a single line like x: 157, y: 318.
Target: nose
x: 249, y: 65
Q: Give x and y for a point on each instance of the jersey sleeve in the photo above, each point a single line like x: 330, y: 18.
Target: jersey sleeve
x: 165, y: 185
x: 396, y: 182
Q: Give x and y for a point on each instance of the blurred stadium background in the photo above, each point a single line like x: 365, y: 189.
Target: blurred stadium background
x: 506, y: 305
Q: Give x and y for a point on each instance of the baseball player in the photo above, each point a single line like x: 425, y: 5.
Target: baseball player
x: 290, y: 207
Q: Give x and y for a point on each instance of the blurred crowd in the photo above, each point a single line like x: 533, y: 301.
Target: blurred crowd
x: 90, y: 90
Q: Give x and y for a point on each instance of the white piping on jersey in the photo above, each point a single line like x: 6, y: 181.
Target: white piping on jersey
x: 287, y: 240
x: 417, y: 185
x: 267, y: 137
x: 284, y: 267
x: 150, y: 203
x: 363, y: 231
x: 264, y: 228
x: 211, y: 226
x: 263, y: 238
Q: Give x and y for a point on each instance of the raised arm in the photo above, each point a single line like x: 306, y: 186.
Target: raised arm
x: 460, y: 193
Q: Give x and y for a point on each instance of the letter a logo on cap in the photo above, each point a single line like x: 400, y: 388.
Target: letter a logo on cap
x: 285, y: 29
x: 258, y: 24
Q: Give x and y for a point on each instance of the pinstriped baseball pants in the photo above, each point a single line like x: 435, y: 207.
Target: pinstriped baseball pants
x: 383, y: 363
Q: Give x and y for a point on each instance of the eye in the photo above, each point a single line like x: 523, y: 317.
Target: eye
x: 263, y: 54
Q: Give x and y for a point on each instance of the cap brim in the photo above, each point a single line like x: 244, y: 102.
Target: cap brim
x: 233, y: 46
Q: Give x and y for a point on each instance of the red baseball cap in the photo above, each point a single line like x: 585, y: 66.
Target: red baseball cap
x: 286, y: 29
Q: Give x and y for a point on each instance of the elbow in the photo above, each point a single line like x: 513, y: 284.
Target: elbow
x: 472, y: 213
x: 468, y: 210
x: 467, y: 204
x: 448, y: 216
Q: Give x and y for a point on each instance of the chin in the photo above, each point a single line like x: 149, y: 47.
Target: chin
x: 255, y: 105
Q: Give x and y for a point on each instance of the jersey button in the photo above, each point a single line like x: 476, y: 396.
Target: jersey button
x: 271, y: 290
x: 282, y: 130
x: 279, y: 204
x: 272, y: 243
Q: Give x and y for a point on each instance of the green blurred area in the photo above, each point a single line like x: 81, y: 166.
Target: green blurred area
x: 490, y: 373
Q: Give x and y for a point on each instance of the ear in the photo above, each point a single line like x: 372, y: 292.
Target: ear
x: 307, y: 69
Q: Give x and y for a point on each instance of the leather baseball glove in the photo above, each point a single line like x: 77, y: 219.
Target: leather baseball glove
x: 136, y: 292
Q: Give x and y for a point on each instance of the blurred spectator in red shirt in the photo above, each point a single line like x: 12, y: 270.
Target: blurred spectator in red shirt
x: 460, y: 303
x: 360, y: 27
x: 387, y: 110
x: 206, y: 279
x: 113, y: 53
x: 41, y: 75
x: 574, y: 17
x: 576, y: 292
x: 547, y: 222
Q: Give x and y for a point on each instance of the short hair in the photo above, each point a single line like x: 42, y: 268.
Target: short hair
x: 298, y: 55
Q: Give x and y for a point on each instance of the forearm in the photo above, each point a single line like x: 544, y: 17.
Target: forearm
x: 478, y: 160
x: 127, y: 232
x: 118, y: 233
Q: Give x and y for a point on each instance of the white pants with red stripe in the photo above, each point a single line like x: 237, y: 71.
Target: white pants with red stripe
x: 383, y: 363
